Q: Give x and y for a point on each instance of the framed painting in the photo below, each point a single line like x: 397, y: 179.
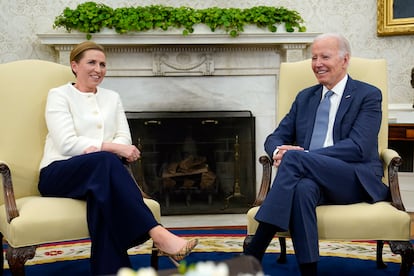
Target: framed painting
x: 395, y: 17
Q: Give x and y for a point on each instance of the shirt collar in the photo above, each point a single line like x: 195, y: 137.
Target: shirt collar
x: 338, y: 88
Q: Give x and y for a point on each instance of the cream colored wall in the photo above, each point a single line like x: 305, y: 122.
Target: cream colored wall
x: 21, y: 20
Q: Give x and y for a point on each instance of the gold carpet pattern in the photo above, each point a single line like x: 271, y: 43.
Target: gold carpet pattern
x: 212, y: 243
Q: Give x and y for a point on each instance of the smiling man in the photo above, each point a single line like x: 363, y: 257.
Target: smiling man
x: 326, y: 152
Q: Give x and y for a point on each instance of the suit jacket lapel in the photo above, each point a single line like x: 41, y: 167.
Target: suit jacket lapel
x: 343, y: 106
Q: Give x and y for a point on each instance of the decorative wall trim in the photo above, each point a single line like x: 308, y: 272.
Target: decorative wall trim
x: 401, y: 113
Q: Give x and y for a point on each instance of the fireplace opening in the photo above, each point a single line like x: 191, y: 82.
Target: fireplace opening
x: 196, y: 162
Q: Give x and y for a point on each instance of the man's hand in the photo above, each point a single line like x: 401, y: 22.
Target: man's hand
x: 281, y: 151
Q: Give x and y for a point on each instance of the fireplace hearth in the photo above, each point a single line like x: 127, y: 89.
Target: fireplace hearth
x: 200, y: 162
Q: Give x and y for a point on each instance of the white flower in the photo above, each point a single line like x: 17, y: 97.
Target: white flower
x: 200, y: 269
x: 149, y: 271
x: 126, y: 272
x: 208, y: 269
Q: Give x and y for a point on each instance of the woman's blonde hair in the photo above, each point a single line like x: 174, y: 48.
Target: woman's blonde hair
x: 77, y: 52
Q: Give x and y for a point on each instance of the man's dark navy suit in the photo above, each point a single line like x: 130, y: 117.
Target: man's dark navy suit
x: 350, y: 171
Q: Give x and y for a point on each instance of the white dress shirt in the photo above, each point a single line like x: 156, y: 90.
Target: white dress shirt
x: 335, y: 101
x: 78, y: 120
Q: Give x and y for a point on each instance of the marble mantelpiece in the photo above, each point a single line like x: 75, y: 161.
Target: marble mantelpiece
x: 159, y: 71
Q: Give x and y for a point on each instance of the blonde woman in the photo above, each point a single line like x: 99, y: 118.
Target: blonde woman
x: 88, y: 135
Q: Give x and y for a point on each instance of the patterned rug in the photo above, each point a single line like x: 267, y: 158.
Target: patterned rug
x: 212, y: 240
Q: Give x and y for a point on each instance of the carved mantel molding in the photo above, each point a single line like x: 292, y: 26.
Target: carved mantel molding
x: 161, y: 54
x: 175, y: 38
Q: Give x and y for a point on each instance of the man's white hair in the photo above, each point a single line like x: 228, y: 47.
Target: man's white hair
x: 344, y: 47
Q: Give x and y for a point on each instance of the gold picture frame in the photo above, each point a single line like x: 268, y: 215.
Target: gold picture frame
x: 390, y: 24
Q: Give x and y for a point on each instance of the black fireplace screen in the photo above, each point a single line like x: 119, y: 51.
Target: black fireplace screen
x: 200, y: 162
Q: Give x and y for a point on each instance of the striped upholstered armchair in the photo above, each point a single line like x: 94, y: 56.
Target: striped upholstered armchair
x: 382, y: 221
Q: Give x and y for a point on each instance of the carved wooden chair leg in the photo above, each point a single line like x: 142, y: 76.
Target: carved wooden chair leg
x: 282, y: 257
x: 406, y: 250
x: 17, y: 257
x: 246, y: 241
x: 154, y: 257
x: 380, y: 262
x: 1, y: 257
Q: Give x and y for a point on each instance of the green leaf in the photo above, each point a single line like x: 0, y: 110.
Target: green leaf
x: 91, y: 17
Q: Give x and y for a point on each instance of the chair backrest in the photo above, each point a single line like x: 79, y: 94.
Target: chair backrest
x: 25, y: 85
x: 295, y: 76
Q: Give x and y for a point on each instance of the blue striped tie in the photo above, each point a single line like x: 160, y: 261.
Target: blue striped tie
x: 321, y: 122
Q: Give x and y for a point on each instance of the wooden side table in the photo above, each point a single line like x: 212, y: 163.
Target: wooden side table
x: 401, y: 139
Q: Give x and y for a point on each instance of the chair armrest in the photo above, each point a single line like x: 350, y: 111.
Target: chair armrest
x: 128, y: 166
x: 387, y: 155
x: 266, y: 180
x: 9, y: 199
x: 392, y: 162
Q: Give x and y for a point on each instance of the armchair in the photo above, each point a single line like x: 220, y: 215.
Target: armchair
x: 382, y: 221
x: 26, y: 218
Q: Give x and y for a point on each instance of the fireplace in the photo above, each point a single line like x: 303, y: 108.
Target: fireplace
x: 202, y: 72
x: 196, y: 162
